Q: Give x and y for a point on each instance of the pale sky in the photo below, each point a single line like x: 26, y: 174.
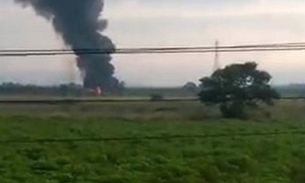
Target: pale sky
x: 148, y: 23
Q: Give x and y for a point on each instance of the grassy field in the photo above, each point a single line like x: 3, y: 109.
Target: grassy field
x: 230, y: 156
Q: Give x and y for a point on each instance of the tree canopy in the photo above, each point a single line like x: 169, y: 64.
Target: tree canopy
x: 237, y: 86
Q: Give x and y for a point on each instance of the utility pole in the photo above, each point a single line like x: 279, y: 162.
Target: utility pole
x: 216, y: 61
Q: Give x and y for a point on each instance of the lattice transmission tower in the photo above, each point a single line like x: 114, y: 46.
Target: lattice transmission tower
x: 216, y: 61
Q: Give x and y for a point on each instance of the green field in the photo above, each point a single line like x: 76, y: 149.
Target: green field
x: 228, y: 154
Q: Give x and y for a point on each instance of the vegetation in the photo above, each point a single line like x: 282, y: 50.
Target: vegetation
x: 228, y: 156
x: 235, y: 87
x: 62, y: 90
x: 291, y: 90
x: 270, y: 159
x: 191, y: 88
x: 73, y: 90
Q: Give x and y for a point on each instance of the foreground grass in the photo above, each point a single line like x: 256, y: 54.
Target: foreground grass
x: 252, y: 159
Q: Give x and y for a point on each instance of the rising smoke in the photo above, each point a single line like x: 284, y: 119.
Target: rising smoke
x: 79, y: 24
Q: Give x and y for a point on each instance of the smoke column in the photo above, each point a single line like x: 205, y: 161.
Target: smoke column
x: 79, y: 24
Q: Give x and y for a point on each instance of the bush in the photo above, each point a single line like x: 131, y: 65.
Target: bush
x: 156, y: 97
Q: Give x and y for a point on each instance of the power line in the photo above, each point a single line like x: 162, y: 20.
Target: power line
x: 161, y: 50
x: 145, y: 138
x: 291, y: 44
x: 148, y: 52
x: 75, y: 101
x: 105, y: 100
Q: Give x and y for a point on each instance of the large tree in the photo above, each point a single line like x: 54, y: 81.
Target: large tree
x: 236, y: 87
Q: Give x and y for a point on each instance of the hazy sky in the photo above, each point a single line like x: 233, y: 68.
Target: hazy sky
x: 148, y: 23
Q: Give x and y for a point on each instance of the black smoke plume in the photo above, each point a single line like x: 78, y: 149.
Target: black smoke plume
x: 79, y: 24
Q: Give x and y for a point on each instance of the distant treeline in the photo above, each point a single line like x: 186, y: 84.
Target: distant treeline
x: 75, y: 90
x: 60, y: 90
x: 291, y: 90
x: 189, y: 90
x: 71, y: 89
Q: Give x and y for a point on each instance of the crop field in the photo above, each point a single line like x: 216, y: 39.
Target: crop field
x: 182, y: 142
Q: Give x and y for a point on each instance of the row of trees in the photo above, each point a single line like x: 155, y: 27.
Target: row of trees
x: 11, y: 88
x: 71, y: 89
